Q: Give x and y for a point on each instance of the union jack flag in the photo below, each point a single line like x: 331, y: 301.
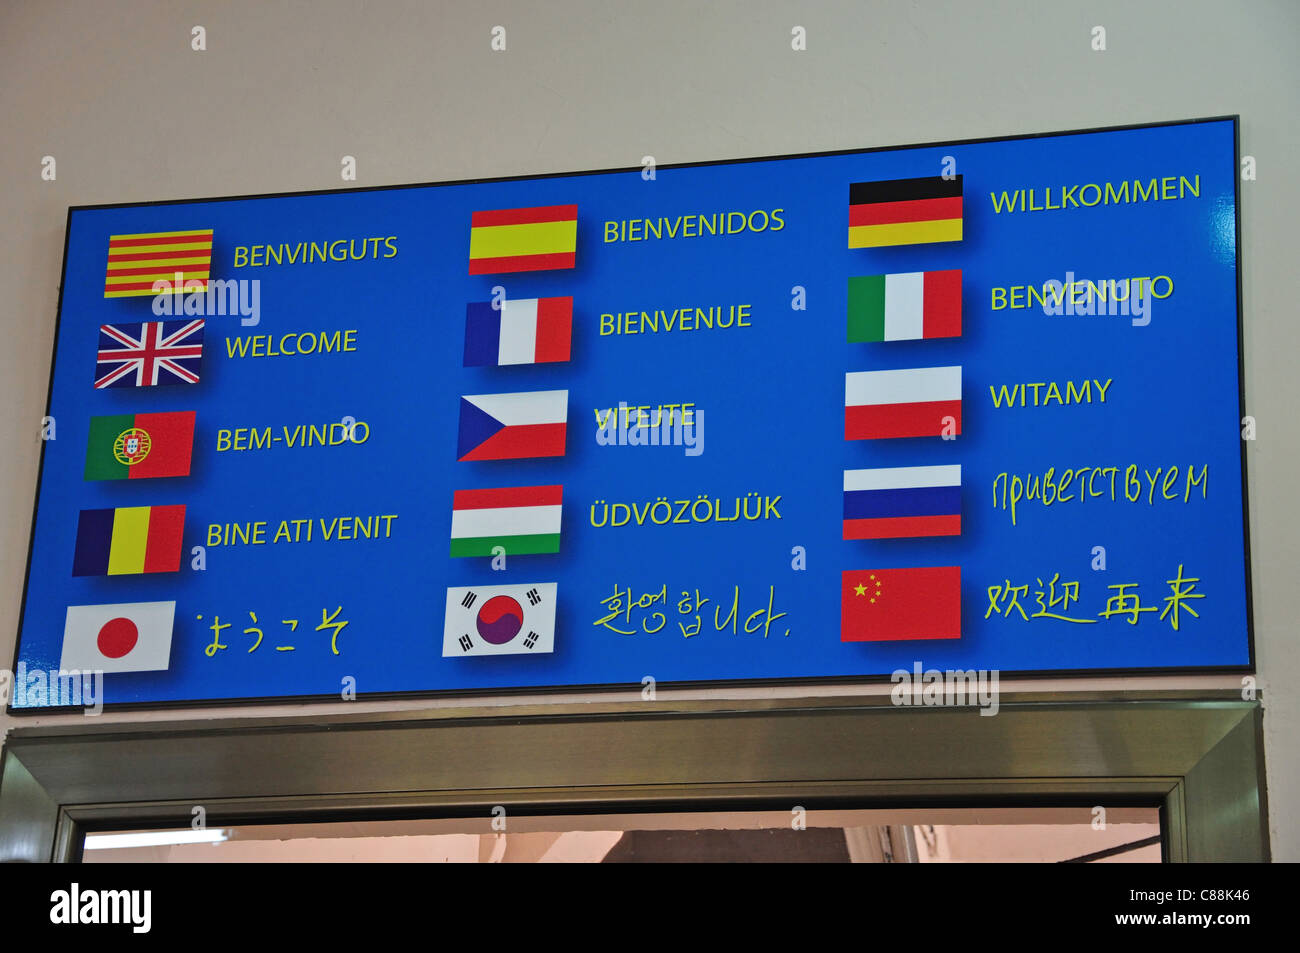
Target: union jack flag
x: 160, y: 352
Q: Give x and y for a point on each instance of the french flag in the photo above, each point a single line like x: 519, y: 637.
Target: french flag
x: 518, y: 331
x: 895, y: 502
x: 513, y: 426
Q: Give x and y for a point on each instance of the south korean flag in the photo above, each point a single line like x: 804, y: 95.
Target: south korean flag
x: 500, y: 620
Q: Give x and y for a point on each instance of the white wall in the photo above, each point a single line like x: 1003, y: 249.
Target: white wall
x: 113, y: 91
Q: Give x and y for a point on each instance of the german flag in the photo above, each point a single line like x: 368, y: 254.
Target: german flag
x: 905, y: 212
x: 523, y: 239
x: 135, y: 262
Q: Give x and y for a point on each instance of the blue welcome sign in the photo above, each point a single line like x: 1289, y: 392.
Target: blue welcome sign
x: 973, y: 405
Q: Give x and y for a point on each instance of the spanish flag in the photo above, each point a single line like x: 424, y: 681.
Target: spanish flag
x: 523, y: 239
x: 905, y: 212
x: 135, y: 262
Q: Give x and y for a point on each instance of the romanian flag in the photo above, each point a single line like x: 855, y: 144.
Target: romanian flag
x: 894, y: 502
x: 523, y: 239
x: 521, y: 520
x: 905, y: 307
x: 883, y: 605
x: 915, y: 402
x: 905, y: 212
x: 135, y: 262
x: 129, y: 540
x: 140, y: 446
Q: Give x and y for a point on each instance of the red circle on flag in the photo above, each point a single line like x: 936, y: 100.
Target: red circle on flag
x: 117, y: 637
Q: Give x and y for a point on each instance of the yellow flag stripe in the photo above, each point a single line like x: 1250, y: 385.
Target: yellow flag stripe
x: 187, y: 248
x: 130, y: 537
x: 196, y: 231
x: 155, y: 276
x: 130, y: 294
x: 533, y: 238
x: 204, y: 260
x: 905, y: 233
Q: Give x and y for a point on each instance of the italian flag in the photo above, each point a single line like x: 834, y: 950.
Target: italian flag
x: 522, y: 520
x: 905, y: 307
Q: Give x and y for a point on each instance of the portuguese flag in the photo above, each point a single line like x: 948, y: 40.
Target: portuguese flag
x: 140, y: 446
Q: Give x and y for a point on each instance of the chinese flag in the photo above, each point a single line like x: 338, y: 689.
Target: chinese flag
x: 881, y: 605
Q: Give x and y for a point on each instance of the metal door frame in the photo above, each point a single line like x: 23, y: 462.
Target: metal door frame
x: 1198, y: 756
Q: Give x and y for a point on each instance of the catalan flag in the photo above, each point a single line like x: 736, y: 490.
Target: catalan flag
x: 129, y: 540
x: 523, y: 239
x: 904, y: 307
x: 905, y: 212
x: 135, y: 262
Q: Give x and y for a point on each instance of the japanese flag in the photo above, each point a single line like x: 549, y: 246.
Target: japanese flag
x: 126, y: 637
x: 500, y: 620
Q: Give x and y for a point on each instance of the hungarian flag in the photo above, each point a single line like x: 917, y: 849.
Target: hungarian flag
x: 500, y: 620
x: 126, y: 637
x: 905, y: 212
x: 129, y: 540
x: 904, y: 307
x: 140, y: 446
x: 895, y: 502
x: 511, y: 426
x: 916, y: 402
x: 522, y: 520
x: 884, y: 605
x: 518, y: 331
x: 135, y: 262
x: 523, y: 239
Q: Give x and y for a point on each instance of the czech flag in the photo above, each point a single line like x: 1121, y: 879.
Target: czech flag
x: 511, y: 426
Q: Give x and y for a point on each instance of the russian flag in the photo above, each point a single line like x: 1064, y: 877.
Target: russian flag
x: 902, y: 501
x: 511, y: 426
x: 518, y: 331
x: 915, y: 402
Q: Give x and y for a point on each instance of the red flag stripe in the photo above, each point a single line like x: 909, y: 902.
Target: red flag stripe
x: 494, y: 266
x: 896, y: 527
x: 507, y: 496
x: 924, y: 419
x: 893, y: 213
x: 162, y: 551
x: 525, y: 216
x: 169, y: 240
x: 527, y: 440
